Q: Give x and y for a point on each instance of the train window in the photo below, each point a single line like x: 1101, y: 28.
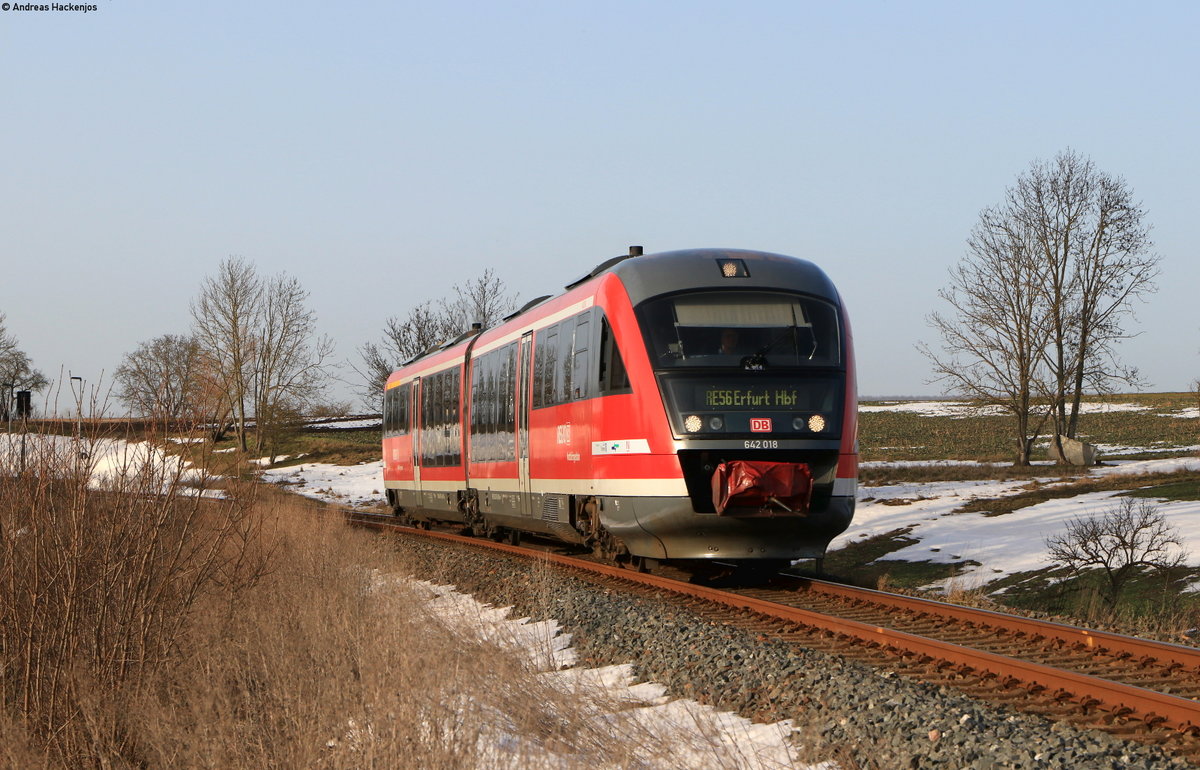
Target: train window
x: 402, y: 396
x: 563, y: 361
x: 441, y: 435
x: 579, y: 362
x: 545, y: 366
x: 612, y: 376
x: 479, y: 405
x: 506, y: 414
x: 562, y: 372
x: 492, y: 405
x: 451, y: 429
x: 395, y: 411
x: 726, y: 329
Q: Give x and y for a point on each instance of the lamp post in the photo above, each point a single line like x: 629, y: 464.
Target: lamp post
x: 79, y: 416
x: 78, y: 403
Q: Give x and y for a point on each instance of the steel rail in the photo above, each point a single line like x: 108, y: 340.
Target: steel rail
x: 1177, y: 654
x: 1121, y: 700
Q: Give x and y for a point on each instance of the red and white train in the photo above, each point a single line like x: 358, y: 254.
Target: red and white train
x: 686, y: 405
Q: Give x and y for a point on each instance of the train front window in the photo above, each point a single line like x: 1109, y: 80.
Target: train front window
x: 740, y: 329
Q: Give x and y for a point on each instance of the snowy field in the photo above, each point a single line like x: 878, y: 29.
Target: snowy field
x: 107, y: 460
x: 960, y: 409
x: 355, y: 486
x: 1012, y: 542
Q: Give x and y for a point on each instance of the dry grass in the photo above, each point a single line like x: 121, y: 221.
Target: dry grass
x: 142, y: 626
x: 908, y: 436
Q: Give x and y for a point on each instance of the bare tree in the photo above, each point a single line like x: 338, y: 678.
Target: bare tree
x: 1093, y: 261
x: 16, y: 370
x: 994, y: 343
x: 224, y: 316
x: 480, y: 301
x: 289, y: 361
x: 1068, y: 253
x: 258, y: 346
x: 1130, y: 536
x: 483, y: 300
x: 160, y: 379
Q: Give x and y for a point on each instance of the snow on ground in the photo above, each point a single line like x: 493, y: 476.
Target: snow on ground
x: 352, y: 485
x: 347, y: 424
x: 699, y: 735
x: 108, y: 459
x: 960, y: 409
x: 1107, y: 450
x: 1004, y: 544
x: 935, y: 408
x: 926, y: 463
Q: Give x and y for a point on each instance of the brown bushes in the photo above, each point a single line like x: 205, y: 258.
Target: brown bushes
x: 144, y: 626
x: 97, y: 586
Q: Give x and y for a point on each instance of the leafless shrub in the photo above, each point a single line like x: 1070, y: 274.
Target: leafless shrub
x: 99, y: 575
x: 1130, y: 536
x: 142, y: 625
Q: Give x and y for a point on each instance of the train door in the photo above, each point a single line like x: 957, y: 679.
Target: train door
x: 524, y: 360
x: 418, y: 439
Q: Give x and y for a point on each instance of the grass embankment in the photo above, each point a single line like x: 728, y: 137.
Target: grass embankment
x: 143, y: 626
x: 313, y: 444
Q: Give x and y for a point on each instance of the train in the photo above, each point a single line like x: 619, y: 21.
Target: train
x: 694, y: 406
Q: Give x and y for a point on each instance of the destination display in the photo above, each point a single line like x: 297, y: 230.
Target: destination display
x: 735, y: 401
x: 755, y: 397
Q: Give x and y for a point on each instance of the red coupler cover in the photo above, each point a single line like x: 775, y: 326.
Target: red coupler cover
x: 782, y: 488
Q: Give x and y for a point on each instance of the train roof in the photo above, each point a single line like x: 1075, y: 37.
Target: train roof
x: 691, y: 269
x: 651, y: 275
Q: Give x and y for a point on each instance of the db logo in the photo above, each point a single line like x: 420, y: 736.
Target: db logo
x: 760, y: 424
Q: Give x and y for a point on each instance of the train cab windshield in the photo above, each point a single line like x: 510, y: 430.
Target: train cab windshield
x: 746, y: 330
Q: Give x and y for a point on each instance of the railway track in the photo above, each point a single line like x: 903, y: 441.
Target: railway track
x: 1132, y: 688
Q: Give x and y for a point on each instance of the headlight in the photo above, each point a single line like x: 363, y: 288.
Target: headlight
x: 693, y: 423
x: 816, y: 423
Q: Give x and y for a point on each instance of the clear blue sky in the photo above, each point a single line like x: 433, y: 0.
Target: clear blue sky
x: 382, y: 152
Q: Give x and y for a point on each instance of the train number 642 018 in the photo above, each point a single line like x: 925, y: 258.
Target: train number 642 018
x: 685, y: 405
